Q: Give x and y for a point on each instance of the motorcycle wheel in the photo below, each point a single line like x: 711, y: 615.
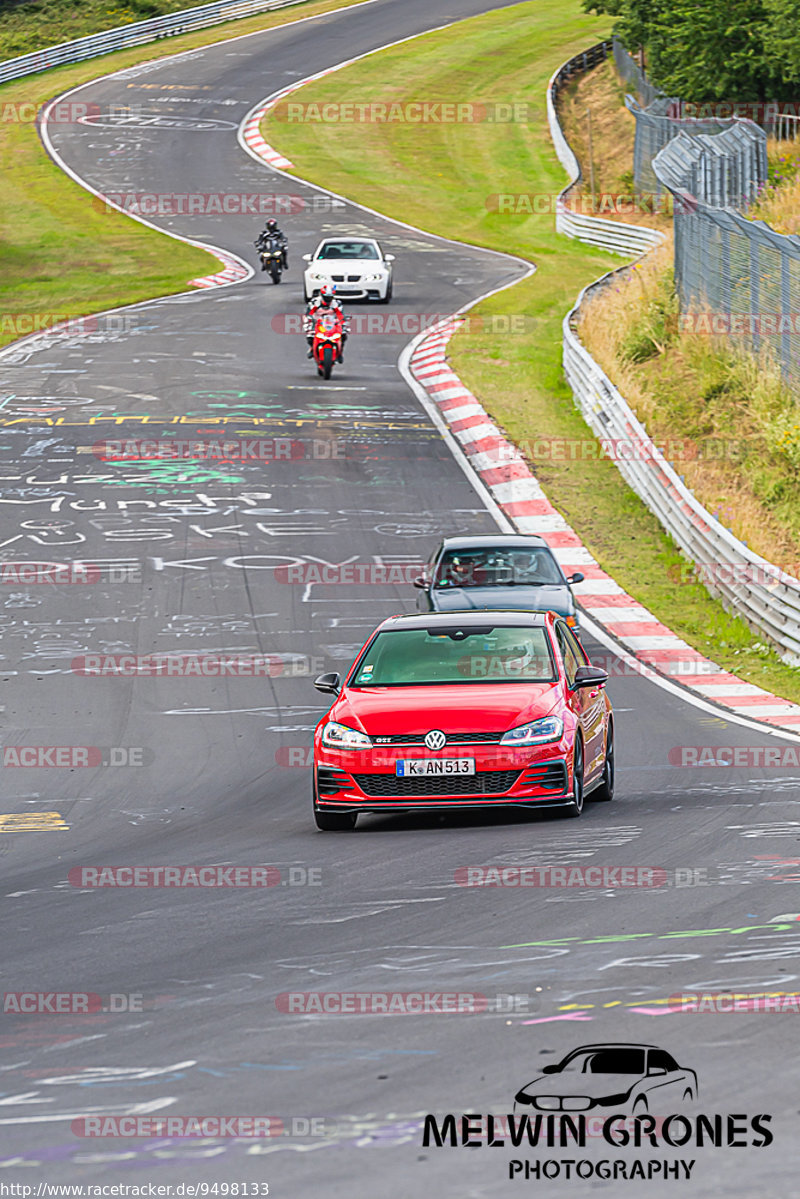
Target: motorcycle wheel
x: 276, y: 274
x: 327, y: 362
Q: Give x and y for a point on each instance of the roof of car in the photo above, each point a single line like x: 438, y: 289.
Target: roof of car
x: 493, y: 616
x: 349, y: 237
x: 497, y: 541
x: 614, y: 1045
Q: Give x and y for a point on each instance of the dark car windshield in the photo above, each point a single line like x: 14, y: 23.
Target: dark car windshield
x: 497, y: 568
x: 348, y: 249
x: 605, y: 1061
x: 489, y: 654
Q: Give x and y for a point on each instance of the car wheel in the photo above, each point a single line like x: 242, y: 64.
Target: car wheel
x: 332, y: 822
x: 335, y: 822
x: 388, y: 295
x: 605, y: 792
x: 687, y: 1096
x: 575, y: 805
x: 640, y: 1106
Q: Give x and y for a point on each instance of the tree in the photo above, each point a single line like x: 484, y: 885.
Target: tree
x: 705, y: 50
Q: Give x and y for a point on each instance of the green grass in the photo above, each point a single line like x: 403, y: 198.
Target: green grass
x: 58, y: 253
x: 439, y: 177
x: 30, y: 25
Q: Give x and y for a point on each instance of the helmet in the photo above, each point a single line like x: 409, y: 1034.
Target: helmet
x: 272, y: 225
x: 326, y: 294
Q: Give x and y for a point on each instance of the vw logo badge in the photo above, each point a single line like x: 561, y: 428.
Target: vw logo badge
x: 435, y: 739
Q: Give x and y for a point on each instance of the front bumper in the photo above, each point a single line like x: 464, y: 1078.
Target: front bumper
x: 355, y: 782
x: 347, y: 289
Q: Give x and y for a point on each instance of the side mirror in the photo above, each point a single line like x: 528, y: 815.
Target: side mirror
x: 306, y: 258
x: 422, y: 583
x: 576, y: 578
x: 388, y: 258
x: 590, y: 676
x: 331, y: 683
x: 551, y: 1069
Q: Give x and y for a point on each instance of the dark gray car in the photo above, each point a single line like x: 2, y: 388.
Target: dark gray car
x: 511, y: 571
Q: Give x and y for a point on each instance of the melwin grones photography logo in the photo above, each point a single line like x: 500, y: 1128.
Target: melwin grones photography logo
x: 626, y: 1096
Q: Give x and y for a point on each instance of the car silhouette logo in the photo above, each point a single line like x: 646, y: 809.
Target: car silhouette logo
x: 435, y: 739
x: 626, y: 1077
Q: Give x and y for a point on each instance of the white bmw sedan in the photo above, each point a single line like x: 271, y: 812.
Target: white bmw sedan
x: 357, y: 267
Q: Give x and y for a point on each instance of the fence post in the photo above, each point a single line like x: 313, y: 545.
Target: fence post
x: 755, y: 298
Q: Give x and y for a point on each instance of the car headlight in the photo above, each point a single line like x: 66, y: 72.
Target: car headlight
x: 372, y: 278
x: 317, y: 275
x: 549, y: 728
x: 339, y: 736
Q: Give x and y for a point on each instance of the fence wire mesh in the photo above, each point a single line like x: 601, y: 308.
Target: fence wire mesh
x: 735, y: 277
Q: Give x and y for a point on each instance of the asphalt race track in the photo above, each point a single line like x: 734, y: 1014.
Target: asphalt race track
x: 188, y: 562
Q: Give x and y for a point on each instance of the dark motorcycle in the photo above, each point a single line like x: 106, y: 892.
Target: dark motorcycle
x: 271, y: 251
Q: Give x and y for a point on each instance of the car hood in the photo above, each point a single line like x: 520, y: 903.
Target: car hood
x: 554, y: 597
x: 596, y: 1086
x: 488, y: 708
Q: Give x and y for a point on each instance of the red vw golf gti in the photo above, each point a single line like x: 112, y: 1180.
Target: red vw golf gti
x: 464, y: 710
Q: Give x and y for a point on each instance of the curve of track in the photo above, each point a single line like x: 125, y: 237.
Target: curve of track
x: 188, y: 564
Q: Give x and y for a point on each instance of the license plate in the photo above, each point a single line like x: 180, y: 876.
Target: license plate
x: 406, y: 767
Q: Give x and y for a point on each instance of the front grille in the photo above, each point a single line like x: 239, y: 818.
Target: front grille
x: 452, y: 739
x: 552, y: 776
x: 331, y: 781
x: 485, y: 782
x: 338, y: 278
x: 353, y: 278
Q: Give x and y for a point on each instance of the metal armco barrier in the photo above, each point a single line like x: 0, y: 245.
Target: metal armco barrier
x: 764, y: 596
x: 614, y: 236
x: 135, y: 34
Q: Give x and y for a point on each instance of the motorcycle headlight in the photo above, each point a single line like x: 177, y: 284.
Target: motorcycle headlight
x: 339, y: 736
x: 549, y: 728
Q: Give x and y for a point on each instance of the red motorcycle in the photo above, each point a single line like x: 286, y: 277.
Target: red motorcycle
x: 326, y: 347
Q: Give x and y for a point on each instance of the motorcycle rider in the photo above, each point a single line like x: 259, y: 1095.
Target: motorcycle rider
x: 271, y: 230
x: 325, y: 301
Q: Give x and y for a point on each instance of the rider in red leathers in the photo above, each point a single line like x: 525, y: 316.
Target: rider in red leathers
x: 324, y: 302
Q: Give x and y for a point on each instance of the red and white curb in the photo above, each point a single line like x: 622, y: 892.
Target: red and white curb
x: 518, y: 494
x: 234, y: 271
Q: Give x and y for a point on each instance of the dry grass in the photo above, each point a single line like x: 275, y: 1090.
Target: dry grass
x: 613, y: 128
x: 731, y: 427
x: 779, y: 203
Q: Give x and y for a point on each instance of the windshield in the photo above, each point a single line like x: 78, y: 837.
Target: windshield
x: 501, y: 654
x: 348, y: 249
x: 606, y: 1061
x: 497, y: 568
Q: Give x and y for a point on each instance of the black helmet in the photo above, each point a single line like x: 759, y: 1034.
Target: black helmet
x: 272, y: 225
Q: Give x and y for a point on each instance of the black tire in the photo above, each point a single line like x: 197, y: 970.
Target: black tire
x: 335, y: 822
x: 276, y: 274
x: 688, y: 1095
x: 575, y: 805
x: 332, y: 822
x: 605, y: 792
x: 640, y: 1106
x: 388, y: 295
x: 327, y: 362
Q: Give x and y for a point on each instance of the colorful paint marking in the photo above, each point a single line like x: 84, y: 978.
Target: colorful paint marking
x: 32, y: 822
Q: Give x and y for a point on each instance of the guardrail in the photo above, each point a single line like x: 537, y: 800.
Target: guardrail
x: 135, y: 34
x: 766, y: 597
x: 763, y: 595
x: 614, y: 236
